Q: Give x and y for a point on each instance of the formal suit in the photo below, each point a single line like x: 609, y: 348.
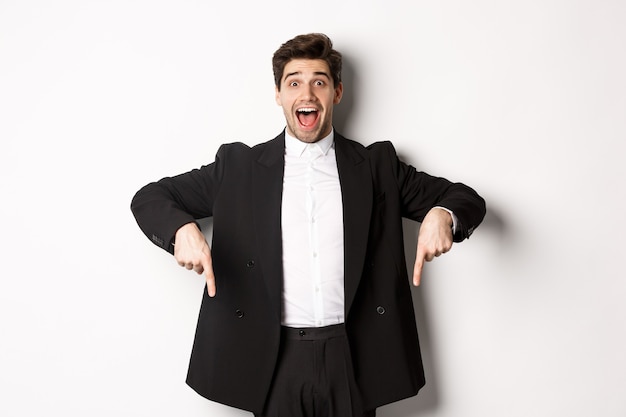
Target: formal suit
x: 238, y: 333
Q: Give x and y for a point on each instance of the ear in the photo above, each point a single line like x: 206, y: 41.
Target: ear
x: 338, y: 93
x: 277, y: 96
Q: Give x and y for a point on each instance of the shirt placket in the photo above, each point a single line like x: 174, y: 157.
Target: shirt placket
x: 312, y: 211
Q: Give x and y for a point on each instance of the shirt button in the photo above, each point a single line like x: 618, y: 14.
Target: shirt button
x: 239, y: 314
x: 250, y: 264
x: 302, y: 333
x: 380, y: 310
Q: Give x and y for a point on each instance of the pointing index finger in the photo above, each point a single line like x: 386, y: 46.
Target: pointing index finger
x: 417, y: 269
x: 210, y: 277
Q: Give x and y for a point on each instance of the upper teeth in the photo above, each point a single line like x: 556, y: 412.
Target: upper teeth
x: 307, y: 110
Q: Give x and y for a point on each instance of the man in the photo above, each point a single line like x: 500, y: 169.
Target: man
x: 307, y: 309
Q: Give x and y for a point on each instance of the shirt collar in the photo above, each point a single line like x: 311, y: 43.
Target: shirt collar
x: 296, y: 147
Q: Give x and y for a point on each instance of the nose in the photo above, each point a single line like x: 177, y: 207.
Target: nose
x: 307, y: 93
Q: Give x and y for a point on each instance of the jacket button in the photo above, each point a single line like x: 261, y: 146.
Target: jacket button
x: 302, y: 333
x: 157, y: 240
x: 250, y: 264
x: 380, y: 310
x: 239, y: 313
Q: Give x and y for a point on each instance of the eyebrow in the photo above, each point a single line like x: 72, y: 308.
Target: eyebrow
x: 318, y: 73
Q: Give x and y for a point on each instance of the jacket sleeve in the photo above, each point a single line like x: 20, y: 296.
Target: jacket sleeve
x: 420, y: 192
x: 161, y: 208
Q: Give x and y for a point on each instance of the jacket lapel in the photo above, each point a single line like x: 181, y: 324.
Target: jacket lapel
x: 357, y: 194
x: 267, y: 181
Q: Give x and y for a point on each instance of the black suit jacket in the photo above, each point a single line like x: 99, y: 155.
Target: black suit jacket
x: 238, y: 333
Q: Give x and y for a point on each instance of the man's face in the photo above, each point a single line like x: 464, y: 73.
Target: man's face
x: 307, y: 96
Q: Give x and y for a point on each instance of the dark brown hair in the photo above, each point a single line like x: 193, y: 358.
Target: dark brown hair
x: 309, y: 46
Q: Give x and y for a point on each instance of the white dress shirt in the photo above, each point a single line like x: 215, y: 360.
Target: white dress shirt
x: 312, y: 235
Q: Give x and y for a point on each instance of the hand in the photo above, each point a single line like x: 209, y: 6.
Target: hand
x: 192, y: 252
x: 435, y: 238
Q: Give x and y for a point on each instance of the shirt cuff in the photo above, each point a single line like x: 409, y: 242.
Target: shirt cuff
x: 454, y: 219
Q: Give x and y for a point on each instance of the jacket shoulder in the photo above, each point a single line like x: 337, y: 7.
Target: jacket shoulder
x: 382, y: 146
x: 242, y: 150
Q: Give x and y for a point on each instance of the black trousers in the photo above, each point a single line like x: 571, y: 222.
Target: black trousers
x: 314, y: 376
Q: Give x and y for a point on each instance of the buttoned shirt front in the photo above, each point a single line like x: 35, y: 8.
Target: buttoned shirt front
x: 312, y: 235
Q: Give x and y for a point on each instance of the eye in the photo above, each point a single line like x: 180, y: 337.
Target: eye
x: 319, y: 83
x: 293, y: 84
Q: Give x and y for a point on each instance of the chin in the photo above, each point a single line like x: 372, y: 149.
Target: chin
x: 306, y: 136
x: 313, y: 137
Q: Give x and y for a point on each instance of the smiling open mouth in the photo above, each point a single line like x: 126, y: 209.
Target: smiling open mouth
x: 307, y: 116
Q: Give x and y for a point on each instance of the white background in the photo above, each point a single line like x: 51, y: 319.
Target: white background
x: 523, y: 100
